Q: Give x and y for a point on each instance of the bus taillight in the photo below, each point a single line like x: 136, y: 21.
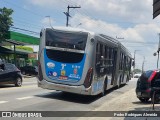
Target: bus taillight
x: 40, y: 75
x: 88, y: 79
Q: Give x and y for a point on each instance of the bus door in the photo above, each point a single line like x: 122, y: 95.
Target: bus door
x: 114, y: 66
x: 100, y: 66
x: 124, y: 69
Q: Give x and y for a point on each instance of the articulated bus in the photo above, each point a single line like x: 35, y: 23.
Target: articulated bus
x: 82, y: 62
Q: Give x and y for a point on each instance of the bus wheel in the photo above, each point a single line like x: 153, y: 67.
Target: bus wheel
x: 104, y: 88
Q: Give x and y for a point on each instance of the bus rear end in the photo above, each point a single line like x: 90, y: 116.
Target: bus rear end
x: 62, y: 61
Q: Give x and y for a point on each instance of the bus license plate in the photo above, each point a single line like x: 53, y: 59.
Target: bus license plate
x: 63, y: 78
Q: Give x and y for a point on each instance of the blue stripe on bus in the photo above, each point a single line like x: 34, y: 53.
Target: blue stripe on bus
x: 64, y: 72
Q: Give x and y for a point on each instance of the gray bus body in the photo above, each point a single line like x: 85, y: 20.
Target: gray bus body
x: 81, y: 62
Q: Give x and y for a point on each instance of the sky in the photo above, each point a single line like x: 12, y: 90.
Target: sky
x: 130, y: 21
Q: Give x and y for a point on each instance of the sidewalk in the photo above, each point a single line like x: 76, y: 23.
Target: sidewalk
x: 125, y: 102
x: 27, y: 76
x: 29, y: 79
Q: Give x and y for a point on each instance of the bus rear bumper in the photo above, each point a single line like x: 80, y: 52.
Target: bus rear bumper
x: 67, y: 88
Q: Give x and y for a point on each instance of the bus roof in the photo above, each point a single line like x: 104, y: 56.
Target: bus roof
x: 109, y: 38
x: 125, y: 49
x: 70, y: 29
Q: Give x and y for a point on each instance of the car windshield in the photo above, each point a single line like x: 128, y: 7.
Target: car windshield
x: 148, y: 73
x: 10, y: 67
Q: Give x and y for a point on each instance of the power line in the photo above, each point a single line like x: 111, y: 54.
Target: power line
x: 27, y: 26
x: 132, y: 42
x: 29, y: 11
x: 21, y: 21
x: 23, y: 8
x: 24, y: 30
x: 21, y: 29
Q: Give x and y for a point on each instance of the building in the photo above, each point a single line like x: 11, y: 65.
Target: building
x: 9, y: 52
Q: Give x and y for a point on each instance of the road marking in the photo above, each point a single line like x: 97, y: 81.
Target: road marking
x: 3, y: 102
x: 11, y: 87
x: 30, y: 82
x: 23, y: 98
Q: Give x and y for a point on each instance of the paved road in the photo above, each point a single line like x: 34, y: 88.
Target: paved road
x: 31, y: 98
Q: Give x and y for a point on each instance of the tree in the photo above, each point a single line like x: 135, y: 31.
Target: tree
x: 5, y: 22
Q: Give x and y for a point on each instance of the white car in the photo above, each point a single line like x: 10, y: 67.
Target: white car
x: 137, y: 75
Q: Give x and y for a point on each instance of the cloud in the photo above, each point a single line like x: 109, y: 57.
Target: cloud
x: 143, y: 37
x: 48, y: 4
x: 115, y: 10
x: 118, y: 10
x: 128, y: 19
x: 44, y: 2
x: 140, y: 32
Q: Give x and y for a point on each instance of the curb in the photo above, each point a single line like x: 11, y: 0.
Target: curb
x: 26, y: 76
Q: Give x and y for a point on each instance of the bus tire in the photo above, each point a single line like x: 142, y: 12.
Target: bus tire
x: 104, y: 88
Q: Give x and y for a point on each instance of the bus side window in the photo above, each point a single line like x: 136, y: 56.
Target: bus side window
x: 121, y: 61
x: 101, y: 55
x: 107, y: 60
x: 97, y: 54
x: 100, y: 58
x: 110, y: 60
x: 105, y: 56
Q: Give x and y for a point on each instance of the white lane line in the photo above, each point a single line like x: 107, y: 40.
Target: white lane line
x: 3, y: 102
x: 30, y: 82
x: 23, y: 98
x: 16, y: 88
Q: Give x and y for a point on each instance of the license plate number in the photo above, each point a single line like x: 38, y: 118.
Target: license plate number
x: 63, y: 78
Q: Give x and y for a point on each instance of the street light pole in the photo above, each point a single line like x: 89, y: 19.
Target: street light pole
x: 134, y: 59
x: 49, y: 21
x: 157, y: 59
x: 158, y: 51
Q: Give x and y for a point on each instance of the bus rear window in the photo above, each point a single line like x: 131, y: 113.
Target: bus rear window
x: 63, y: 56
x: 63, y: 39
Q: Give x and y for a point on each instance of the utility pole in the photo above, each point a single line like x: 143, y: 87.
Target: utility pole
x: 157, y: 59
x: 134, y: 61
x: 143, y: 64
x: 158, y: 51
x: 67, y: 13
